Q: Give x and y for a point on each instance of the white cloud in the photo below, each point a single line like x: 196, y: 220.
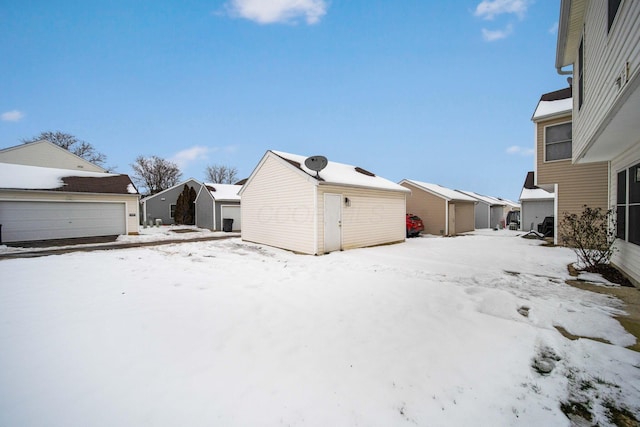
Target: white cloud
x: 493, y: 35
x: 278, y: 11
x: 489, y: 9
x: 554, y: 28
x: 515, y: 149
x: 184, y: 157
x: 12, y: 116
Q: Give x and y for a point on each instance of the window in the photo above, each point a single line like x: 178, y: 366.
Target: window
x: 581, y: 73
x: 173, y: 210
x: 628, y: 205
x: 557, y: 142
x: 612, y: 11
x: 633, y: 223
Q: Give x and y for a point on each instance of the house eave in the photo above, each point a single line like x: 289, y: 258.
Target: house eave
x: 619, y: 129
x: 569, y: 32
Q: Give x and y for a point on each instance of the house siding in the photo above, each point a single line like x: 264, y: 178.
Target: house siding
x: 48, y: 156
x: 374, y: 217
x: 627, y: 256
x: 156, y: 208
x: 577, y: 184
x: 275, y: 217
x: 606, y: 54
x: 130, y: 201
x: 429, y: 207
x: 204, y: 209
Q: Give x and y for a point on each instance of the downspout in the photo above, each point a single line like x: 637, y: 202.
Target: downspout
x: 565, y: 10
x: 315, y: 219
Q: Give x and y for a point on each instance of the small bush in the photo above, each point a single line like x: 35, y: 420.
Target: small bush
x: 591, y: 235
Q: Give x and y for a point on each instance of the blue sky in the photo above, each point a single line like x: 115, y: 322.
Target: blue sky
x: 437, y: 91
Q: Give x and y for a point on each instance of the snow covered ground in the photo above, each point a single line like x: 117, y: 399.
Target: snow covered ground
x: 434, y: 331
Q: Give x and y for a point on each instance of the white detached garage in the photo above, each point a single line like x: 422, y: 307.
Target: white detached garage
x: 287, y: 205
x: 38, y: 203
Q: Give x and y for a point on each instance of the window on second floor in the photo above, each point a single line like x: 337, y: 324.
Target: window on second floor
x: 557, y: 142
x: 611, y: 12
x: 581, y: 73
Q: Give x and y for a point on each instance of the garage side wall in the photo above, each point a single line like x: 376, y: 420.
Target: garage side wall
x: 430, y: 208
x: 369, y: 218
x: 204, y: 210
x: 278, y: 209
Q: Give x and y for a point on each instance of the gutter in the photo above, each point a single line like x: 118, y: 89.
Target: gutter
x: 563, y: 29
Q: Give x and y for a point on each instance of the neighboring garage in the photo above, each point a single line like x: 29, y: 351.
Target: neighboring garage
x: 289, y: 205
x: 23, y: 221
x: 443, y: 211
x: 233, y: 213
x: 38, y: 203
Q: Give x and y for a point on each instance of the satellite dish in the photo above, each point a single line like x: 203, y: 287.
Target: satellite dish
x: 316, y: 163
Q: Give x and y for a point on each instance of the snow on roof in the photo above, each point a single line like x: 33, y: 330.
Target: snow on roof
x: 492, y: 201
x: 343, y: 174
x: 445, y: 192
x: 549, y: 108
x: 510, y: 203
x: 24, y: 177
x: 227, y: 192
x: 535, y: 194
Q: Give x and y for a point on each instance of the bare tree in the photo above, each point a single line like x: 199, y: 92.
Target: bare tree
x: 73, y: 144
x: 155, y: 174
x: 221, y: 174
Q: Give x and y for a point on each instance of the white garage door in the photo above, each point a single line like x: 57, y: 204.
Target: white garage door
x: 24, y: 221
x: 234, y: 213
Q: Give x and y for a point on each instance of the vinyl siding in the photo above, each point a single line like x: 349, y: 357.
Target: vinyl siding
x: 278, y: 208
x: 47, y: 156
x: 606, y: 54
x: 430, y: 208
x: 482, y: 213
x: 204, y: 209
x: 627, y: 257
x: 578, y: 184
x: 157, y: 208
x: 374, y: 217
x: 131, y: 202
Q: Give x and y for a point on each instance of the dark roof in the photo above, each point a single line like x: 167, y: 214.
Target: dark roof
x: 529, y: 180
x: 114, y: 184
x: 557, y: 95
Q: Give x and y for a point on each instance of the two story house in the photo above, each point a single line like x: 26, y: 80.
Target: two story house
x: 599, y: 45
x: 574, y: 185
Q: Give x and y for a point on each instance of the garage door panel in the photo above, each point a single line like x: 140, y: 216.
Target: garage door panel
x: 232, y: 212
x: 23, y: 221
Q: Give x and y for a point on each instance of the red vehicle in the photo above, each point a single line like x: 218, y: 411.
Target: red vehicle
x: 414, y: 225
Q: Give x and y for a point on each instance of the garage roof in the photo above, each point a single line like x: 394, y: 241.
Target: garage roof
x: 23, y: 177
